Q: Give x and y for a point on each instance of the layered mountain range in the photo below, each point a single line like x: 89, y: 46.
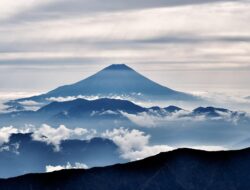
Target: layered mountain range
x: 110, y: 103
x: 81, y: 110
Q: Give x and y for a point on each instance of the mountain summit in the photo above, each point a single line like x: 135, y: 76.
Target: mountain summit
x: 117, y: 80
x: 118, y: 67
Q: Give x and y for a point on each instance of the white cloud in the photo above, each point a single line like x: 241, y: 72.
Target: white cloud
x: 70, y: 98
x: 150, y: 120
x: 94, y: 97
x: 134, y: 144
x: 142, y: 119
x: 5, y: 96
x: 208, y: 148
x: 147, y: 119
x: 233, y: 100
x: 77, y: 165
x: 5, y: 133
x: 29, y: 103
x: 127, y: 139
x: 47, y: 134
x: 146, y: 152
x: 108, y: 112
x: 54, y: 136
x: 64, y: 99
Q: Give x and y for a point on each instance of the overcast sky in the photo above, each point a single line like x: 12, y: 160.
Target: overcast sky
x: 189, y: 45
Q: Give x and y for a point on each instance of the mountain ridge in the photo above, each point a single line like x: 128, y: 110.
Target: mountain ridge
x: 181, y: 169
x: 111, y: 109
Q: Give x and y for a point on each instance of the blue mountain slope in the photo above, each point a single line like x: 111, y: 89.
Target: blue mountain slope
x: 119, y: 80
x: 114, y: 80
x: 22, y: 154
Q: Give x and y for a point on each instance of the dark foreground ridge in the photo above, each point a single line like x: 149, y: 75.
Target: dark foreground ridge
x: 182, y: 169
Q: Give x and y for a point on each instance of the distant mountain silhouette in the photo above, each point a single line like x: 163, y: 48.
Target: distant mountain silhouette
x: 114, y: 80
x: 213, y: 112
x: 173, y: 109
x: 182, y: 169
x: 86, y: 106
x: 210, y: 111
x: 80, y: 110
x: 248, y: 97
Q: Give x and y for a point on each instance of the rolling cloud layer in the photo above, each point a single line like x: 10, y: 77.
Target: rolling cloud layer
x: 184, y: 40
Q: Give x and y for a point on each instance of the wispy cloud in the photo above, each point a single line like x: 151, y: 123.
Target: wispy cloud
x: 188, y: 35
x: 84, y: 36
x: 30, y: 9
x: 232, y: 100
x: 50, y: 168
x: 151, y: 120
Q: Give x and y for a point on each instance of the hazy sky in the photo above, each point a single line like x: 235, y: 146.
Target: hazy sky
x: 189, y: 45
